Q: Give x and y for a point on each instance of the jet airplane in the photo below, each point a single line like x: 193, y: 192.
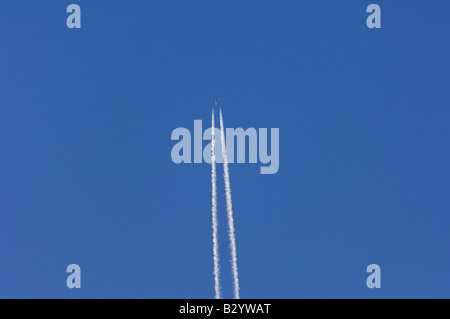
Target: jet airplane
x: 215, y: 98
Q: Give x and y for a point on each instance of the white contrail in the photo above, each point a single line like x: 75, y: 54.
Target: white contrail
x: 226, y: 176
x: 214, y: 212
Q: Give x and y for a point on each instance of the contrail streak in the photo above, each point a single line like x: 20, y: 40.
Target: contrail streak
x: 214, y: 212
x: 226, y: 176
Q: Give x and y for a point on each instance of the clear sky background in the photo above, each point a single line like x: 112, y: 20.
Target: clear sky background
x: 86, y: 175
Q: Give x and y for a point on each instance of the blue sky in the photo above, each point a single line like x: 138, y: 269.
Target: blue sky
x: 86, y: 175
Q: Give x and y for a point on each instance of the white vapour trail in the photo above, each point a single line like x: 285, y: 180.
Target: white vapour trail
x: 226, y: 176
x: 214, y: 211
